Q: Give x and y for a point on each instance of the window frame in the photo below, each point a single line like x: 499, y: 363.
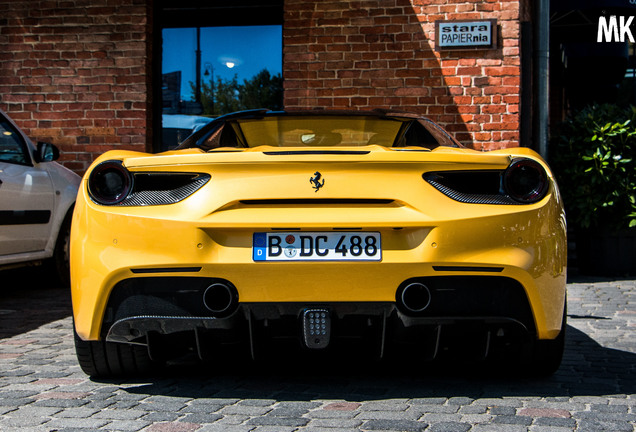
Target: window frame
x: 200, y: 13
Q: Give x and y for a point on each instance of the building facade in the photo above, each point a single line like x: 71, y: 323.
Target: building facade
x: 85, y: 74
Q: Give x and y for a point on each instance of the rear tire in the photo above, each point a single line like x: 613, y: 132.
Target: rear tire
x: 101, y: 359
x: 547, y: 354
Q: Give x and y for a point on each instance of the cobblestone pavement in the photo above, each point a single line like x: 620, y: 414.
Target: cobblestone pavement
x: 43, y: 389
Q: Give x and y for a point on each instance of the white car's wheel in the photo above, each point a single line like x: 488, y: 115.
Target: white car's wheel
x: 61, y: 256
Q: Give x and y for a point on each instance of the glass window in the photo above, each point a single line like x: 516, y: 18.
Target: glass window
x: 12, y: 146
x: 210, y: 71
x: 319, y: 131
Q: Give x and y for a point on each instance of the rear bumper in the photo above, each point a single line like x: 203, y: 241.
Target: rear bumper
x: 478, y: 316
x: 111, y: 246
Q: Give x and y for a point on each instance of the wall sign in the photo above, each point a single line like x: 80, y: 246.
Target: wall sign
x: 461, y: 34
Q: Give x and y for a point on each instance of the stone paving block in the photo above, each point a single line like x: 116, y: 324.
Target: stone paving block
x: 173, y: 427
x: 277, y: 421
x: 258, y: 402
x: 225, y: 428
x: 233, y: 419
x: 437, y: 417
x: 201, y: 418
x: 604, y: 416
x: 158, y: 417
x: 425, y: 409
x: 332, y: 414
x: 385, y: 406
x: 158, y: 406
x: 429, y: 401
x: 609, y: 408
x: 459, y: 400
x: 449, y: 427
x: 392, y: 415
x: 100, y: 404
x: 601, y: 425
x: 326, y: 429
x: 287, y: 412
x: 198, y: 407
x: 335, y: 423
x: 77, y: 423
x: 539, y: 428
x: 113, y: 414
x: 10, y: 403
x: 513, y: 420
x: 473, y: 409
x: 395, y: 425
x: 245, y: 410
x: 20, y: 422
x: 476, y: 418
x: 274, y: 429
x: 299, y: 404
x: 556, y: 422
x: 498, y: 428
x: 503, y: 410
x: 126, y: 425
x: 61, y: 403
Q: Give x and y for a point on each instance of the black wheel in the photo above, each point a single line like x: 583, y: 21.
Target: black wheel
x: 547, y: 354
x: 100, y: 359
x: 61, y: 256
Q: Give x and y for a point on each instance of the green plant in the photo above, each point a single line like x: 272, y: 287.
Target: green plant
x: 593, y: 157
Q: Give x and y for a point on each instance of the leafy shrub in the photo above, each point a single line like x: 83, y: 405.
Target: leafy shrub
x: 593, y: 157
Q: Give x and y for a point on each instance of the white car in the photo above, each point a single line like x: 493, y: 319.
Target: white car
x: 36, y: 201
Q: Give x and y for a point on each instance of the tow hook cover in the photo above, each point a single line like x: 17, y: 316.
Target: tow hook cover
x: 316, y: 328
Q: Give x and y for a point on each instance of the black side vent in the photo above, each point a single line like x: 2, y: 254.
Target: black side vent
x: 473, y: 187
x: 163, y: 188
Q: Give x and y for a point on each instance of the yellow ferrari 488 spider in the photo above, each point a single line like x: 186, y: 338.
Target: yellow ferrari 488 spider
x: 317, y: 232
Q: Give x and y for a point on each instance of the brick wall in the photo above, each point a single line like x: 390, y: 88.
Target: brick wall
x: 381, y: 53
x: 76, y: 73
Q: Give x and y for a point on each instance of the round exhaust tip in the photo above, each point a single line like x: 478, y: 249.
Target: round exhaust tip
x: 415, y: 297
x: 221, y: 299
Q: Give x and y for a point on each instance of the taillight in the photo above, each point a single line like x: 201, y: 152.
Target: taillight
x: 525, y: 181
x: 109, y: 183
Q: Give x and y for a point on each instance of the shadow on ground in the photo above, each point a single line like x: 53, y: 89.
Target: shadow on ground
x: 29, y: 298
x: 588, y: 369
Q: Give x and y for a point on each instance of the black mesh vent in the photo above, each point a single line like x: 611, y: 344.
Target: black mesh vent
x: 473, y: 187
x: 161, y: 188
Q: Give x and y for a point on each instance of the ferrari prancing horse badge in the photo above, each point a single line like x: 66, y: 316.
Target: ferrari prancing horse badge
x: 315, y: 180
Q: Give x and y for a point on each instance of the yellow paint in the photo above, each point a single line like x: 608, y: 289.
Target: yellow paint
x: 421, y: 228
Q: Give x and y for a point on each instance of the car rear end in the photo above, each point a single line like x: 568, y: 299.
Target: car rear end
x: 318, y: 249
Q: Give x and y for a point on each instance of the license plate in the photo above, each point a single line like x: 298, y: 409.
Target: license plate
x: 317, y: 246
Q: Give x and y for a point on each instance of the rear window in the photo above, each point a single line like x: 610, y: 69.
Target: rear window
x: 319, y: 131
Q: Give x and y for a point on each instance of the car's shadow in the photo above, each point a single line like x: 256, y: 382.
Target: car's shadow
x: 29, y: 298
x: 588, y: 369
